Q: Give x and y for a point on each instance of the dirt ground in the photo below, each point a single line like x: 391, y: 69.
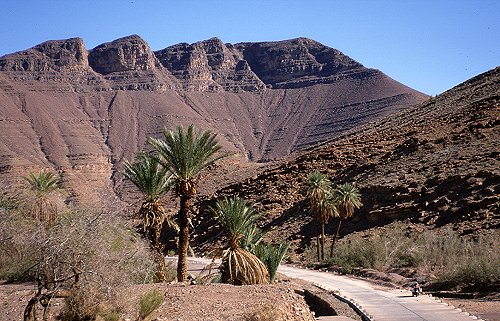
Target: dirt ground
x: 220, y: 302
x: 485, y: 308
x: 186, y: 302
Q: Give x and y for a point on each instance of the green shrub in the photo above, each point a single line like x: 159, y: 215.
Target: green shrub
x: 271, y: 256
x: 149, y: 302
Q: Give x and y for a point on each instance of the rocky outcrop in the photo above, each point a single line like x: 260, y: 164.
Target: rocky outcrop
x: 212, y: 65
x: 129, y: 64
x: 435, y: 164
x: 124, y: 54
x: 209, y: 65
x: 297, y: 62
x: 206, y: 66
x: 50, y: 56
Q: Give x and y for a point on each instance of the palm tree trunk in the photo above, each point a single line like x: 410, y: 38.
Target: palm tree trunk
x: 161, y: 267
x: 317, y: 247
x: 335, y: 237
x: 322, y: 242
x: 183, y: 238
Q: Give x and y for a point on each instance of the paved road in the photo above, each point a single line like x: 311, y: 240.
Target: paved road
x: 379, y: 303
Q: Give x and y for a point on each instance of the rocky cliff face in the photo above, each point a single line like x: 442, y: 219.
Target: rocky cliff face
x: 210, y: 65
x: 82, y: 112
x: 124, y: 54
x: 435, y: 164
x: 55, y: 56
x: 297, y: 62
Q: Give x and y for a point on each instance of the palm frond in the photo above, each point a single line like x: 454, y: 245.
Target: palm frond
x: 347, y: 197
x: 317, y: 187
x: 187, y: 153
x: 237, y: 216
x: 240, y: 267
x: 43, y: 183
x: 318, y: 191
x: 251, y: 238
x: 271, y: 256
x: 149, y: 176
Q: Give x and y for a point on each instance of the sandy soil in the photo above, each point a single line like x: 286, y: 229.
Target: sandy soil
x: 221, y: 302
x: 485, y: 308
x: 185, y: 302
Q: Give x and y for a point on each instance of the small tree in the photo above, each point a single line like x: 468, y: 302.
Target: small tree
x: 186, y: 153
x: 153, y: 180
x: 318, y: 192
x: 346, y: 198
x: 238, y: 265
x: 43, y: 185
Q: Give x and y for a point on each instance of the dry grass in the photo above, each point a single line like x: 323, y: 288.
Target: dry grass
x: 149, y: 302
x: 265, y: 313
x: 456, y: 262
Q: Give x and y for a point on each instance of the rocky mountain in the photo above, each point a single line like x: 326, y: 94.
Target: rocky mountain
x: 82, y: 112
x: 435, y: 164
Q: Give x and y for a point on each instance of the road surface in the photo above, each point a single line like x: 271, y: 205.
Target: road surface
x: 377, y: 303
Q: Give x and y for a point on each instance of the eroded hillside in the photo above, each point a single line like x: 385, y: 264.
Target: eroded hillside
x: 81, y: 112
x: 437, y: 164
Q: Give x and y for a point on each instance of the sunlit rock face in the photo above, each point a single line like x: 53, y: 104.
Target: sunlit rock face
x: 83, y: 112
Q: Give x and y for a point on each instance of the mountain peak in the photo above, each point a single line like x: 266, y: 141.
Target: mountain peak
x: 53, y: 55
x: 123, y: 54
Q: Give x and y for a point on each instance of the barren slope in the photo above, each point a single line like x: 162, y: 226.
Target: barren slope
x: 437, y: 164
x: 81, y: 113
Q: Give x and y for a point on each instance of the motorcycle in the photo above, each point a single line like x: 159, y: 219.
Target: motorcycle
x: 416, y: 290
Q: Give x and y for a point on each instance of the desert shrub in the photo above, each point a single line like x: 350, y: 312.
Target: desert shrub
x: 264, y: 313
x: 353, y: 253
x: 84, y: 256
x: 458, y: 262
x: 476, y: 268
x: 112, y: 316
x: 149, y: 302
x: 271, y: 256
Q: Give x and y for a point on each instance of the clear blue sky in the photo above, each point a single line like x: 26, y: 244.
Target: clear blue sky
x: 428, y: 45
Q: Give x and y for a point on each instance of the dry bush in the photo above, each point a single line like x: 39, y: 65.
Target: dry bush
x: 264, y: 313
x: 96, y: 249
x: 149, y: 302
x: 457, y: 262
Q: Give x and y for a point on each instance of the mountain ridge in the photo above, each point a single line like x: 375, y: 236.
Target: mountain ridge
x: 83, y: 112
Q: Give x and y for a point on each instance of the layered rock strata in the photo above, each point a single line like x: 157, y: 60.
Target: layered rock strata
x: 82, y: 112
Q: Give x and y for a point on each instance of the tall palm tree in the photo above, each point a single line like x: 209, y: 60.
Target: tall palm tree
x: 186, y: 153
x: 239, y: 266
x: 43, y: 185
x: 318, y: 192
x: 154, y: 181
x: 347, y: 198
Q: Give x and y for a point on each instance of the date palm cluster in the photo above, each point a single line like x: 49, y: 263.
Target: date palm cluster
x: 327, y: 202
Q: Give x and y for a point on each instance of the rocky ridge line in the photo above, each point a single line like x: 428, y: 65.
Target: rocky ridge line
x: 211, y: 65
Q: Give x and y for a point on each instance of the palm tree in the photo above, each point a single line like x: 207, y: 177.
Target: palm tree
x: 239, y: 266
x: 43, y: 185
x: 186, y: 154
x: 346, y: 198
x: 153, y: 180
x: 318, y: 192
